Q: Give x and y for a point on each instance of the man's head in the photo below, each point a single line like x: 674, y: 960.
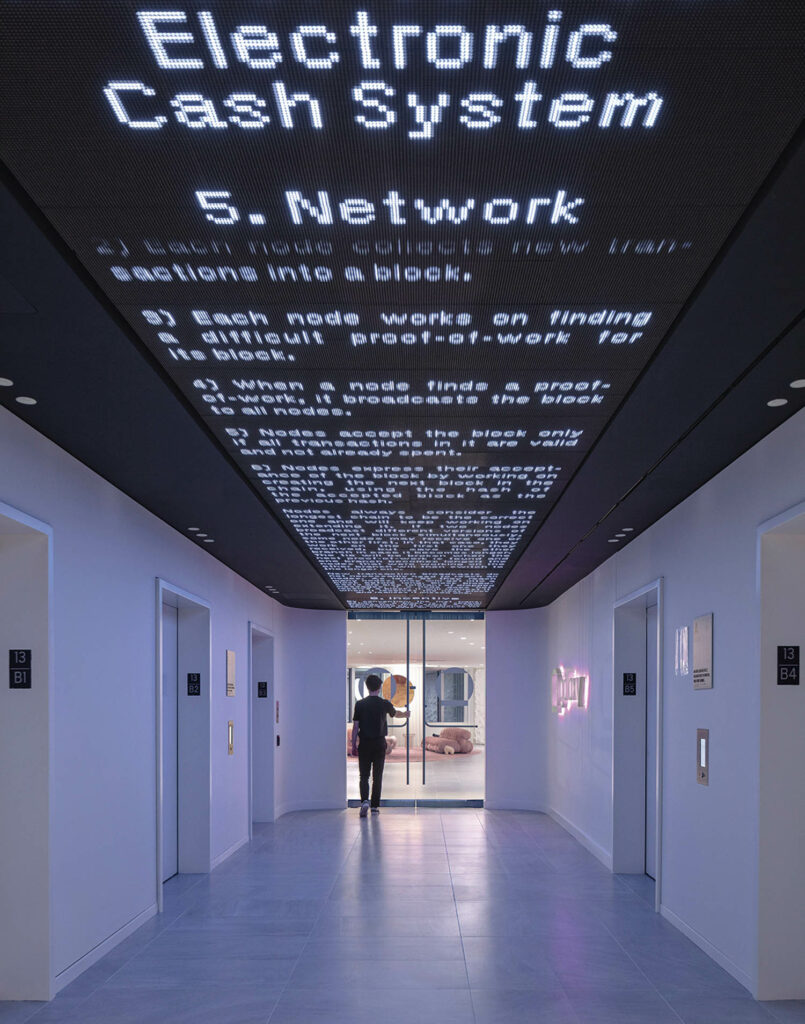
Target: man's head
x: 373, y: 683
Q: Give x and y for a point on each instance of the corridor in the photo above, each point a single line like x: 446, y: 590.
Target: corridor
x: 448, y: 916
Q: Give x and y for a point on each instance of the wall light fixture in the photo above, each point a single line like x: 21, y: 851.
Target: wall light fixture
x: 568, y: 691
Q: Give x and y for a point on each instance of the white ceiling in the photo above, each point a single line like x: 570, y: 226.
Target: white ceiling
x: 378, y: 642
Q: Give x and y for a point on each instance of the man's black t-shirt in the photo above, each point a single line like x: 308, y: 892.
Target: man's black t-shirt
x: 370, y: 714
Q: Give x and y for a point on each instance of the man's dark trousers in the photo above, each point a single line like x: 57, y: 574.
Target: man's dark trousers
x: 371, y: 755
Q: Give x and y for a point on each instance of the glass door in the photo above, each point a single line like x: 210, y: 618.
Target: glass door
x: 434, y: 664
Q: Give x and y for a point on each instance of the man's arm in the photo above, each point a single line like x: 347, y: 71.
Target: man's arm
x: 355, y: 729
x: 399, y: 713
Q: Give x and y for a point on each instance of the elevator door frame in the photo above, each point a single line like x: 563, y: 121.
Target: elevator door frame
x: 262, y: 720
x: 194, y: 722
x: 170, y: 741
x: 27, y: 777
x: 629, y: 770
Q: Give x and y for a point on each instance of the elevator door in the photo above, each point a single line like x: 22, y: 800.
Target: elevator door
x: 651, y: 741
x: 170, y: 745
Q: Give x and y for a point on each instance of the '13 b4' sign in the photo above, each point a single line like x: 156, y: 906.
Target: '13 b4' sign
x: 788, y: 666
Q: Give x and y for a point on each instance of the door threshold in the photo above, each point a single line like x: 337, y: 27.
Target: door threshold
x: 422, y: 803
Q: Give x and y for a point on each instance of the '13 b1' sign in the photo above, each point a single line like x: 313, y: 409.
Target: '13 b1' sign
x: 19, y: 669
x: 405, y: 259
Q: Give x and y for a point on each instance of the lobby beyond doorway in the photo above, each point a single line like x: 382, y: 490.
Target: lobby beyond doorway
x: 433, y: 664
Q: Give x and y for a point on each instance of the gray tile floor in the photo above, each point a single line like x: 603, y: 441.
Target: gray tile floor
x: 449, y: 916
x: 459, y: 777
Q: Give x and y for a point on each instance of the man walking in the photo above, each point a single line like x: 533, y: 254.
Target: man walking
x: 369, y: 721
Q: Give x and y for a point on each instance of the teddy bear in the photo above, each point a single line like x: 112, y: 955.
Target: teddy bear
x: 457, y: 738
x: 440, y: 745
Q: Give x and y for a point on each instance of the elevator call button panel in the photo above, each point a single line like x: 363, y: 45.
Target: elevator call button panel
x: 703, y: 757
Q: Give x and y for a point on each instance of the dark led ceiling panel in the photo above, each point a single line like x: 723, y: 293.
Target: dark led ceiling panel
x: 404, y: 259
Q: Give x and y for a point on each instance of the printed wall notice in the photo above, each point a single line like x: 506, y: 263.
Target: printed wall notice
x: 703, y: 652
x: 230, y: 673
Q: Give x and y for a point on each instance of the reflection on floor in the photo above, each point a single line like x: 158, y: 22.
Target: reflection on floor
x: 456, y: 917
x: 447, y: 777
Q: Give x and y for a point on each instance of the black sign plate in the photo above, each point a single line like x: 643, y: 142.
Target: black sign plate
x: 262, y: 689
x: 788, y: 666
x: 19, y: 670
x: 193, y: 684
x: 629, y: 684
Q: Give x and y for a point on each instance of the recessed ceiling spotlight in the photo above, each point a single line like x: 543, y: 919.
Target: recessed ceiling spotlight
x: 6, y: 383
x: 619, y: 535
x: 613, y: 540
x: 201, y: 534
x: 628, y: 529
x: 25, y: 400
x: 209, y: 540
x: 192, y: 529
x: 774, y: 403
x: 800, y: 383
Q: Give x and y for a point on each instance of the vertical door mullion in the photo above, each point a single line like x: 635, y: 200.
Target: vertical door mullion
x: 424, y: 709
x: 408, y: 701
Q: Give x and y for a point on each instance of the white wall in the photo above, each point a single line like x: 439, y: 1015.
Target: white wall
x: 579, y: 628
x: 516, y: 711
x: 706, y: 551
x: 310, y: 770
x: 107, y: 553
